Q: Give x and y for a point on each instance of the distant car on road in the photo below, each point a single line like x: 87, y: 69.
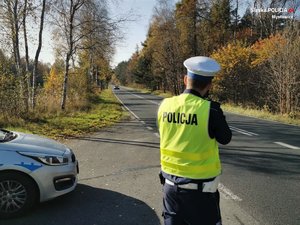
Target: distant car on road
x: 116, y: 87
x: 33, y: 169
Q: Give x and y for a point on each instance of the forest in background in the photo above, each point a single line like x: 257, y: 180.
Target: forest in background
x: 259, y: 53
x: 84, y: 36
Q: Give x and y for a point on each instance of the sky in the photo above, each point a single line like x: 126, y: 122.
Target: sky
x: 134, y: 31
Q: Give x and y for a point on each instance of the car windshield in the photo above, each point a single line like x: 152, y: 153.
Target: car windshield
x: 6, y: 135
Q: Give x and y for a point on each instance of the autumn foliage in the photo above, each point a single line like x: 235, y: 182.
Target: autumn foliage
x: 259, y: 57
x: 262, y: 75
x: 236, y: 62
x: 267, y: 48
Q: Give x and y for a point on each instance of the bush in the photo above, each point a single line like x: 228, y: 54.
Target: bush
x: 11, y: 102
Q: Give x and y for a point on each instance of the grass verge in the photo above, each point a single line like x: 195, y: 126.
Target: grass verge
x: 105, y: 110
x: 261, y: 114
x: 148, y: 91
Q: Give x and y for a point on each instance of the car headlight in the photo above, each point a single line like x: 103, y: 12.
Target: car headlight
x: 51, y: 160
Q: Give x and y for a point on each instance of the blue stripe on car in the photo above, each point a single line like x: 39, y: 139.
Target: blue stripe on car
x: 31, y: 166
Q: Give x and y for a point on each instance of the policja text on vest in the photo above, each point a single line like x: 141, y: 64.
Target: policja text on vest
x: 181, y: 118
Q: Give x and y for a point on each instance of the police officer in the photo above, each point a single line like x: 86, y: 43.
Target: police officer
x: 190, y: 127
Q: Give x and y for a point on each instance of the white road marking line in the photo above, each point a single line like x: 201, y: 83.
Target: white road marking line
x: 136, y: 95
x: 227, y: 193
x: 248, y: 133
x: 149, y: 128
x: 242, y: 132
x: 287, y: 145
x: 157, y: 135
x: 155, y: 103
x: 127, y: 108
x: 143, y: 122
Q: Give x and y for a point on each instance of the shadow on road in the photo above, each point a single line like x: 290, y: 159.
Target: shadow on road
x: 274, y: 163
x: 89, y: 206
x: 119, y: 141
x: 267, y: 130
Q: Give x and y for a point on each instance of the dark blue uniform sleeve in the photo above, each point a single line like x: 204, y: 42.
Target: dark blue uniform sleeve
x: 217, y: 125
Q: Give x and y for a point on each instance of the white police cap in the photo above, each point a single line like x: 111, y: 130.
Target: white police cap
x: 200, y: 67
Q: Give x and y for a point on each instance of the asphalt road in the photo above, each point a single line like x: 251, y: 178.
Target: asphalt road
x: 261, y: 166
x: 118, y: 183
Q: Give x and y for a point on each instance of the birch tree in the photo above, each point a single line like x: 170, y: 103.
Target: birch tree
x: 66, y: 18
x: 11, y: 19
x: 83, y: 25
x: 14, y: 18
x: 37, y: 53
x: 11, y: 16
x: 99, y: 34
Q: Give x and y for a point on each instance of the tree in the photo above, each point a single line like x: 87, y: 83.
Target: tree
x: 121, y: 72
x: 132, y: 65
x: 219, y: 23
x: 84, y: 25
x: 245, y: 30
x: 277, y: 58
x: 263, y: 23
x: 99, y: 35
x: 10, y: 101
x: 49, y: 97
x: 237, y: 81
x: 11, y: 12
x: 14, y: 17
x: 68, y: 25
x: 37, y: 53
x: 186, y: 22
x: 163, y: 42
x: 54, y: 79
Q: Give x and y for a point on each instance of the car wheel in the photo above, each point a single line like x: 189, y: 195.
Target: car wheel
x: 18, y: 193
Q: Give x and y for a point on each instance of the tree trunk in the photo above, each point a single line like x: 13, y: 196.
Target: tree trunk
x: 97, y: 76
x: 37, y: 54
x: 25, y: 38
x: 91, y: 70
x: 74, y: 7
x: 65, y: 83
x: 15, y: 28
x: 16, y: 37
x: 195, y: 44
x: 27, y: 73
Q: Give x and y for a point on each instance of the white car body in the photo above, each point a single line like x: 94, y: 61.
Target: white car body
x: 22, y: 155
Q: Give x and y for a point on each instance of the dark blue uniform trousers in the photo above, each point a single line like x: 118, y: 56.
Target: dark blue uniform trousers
x: 190, y: 207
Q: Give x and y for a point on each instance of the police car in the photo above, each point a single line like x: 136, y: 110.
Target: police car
x: 33, y: 169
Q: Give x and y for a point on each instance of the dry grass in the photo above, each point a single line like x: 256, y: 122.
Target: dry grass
x: 262, y: 114
x: 104, y: 110
x: 148, y: 91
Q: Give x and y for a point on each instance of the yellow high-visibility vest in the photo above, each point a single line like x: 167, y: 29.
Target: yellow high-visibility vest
x: 186, y: 148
